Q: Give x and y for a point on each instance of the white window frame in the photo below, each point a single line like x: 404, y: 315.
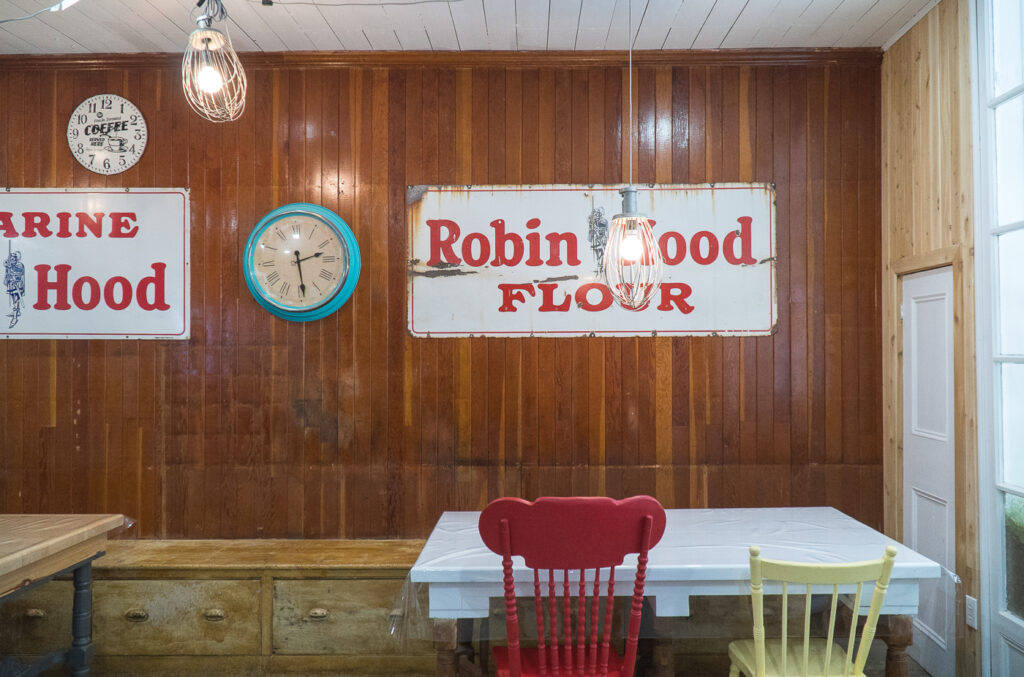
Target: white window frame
x: 991, y: 488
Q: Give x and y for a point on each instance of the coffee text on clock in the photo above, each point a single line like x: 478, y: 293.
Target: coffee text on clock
x: 105, y: 127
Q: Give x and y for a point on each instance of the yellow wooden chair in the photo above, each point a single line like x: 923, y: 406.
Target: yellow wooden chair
x: 811, y: 657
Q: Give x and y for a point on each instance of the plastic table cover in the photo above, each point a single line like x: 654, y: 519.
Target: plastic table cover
x: 703, y: 552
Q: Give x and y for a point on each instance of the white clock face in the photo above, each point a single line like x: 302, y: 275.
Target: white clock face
x: 299, y: 262
x: 107, y: 134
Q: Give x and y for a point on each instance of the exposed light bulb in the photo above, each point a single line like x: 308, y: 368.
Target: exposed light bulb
x: 209, y: 80
x: 631, y: 247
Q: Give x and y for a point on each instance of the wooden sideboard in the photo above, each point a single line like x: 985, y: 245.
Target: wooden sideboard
x: 236, y: 607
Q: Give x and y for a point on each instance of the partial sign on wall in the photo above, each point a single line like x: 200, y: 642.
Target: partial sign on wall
x: 526, y: 261
x: 94, y: 263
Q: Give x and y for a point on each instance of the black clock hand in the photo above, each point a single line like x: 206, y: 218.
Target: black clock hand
x: 298, y: 263
x: 311, y: 257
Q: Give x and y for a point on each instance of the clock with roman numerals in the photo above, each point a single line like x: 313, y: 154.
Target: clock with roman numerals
x: 301, y: 262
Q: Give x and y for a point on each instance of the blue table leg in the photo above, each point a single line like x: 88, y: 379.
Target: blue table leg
x: 79, y: 656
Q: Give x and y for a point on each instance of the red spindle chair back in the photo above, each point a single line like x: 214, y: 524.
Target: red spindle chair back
x: 588, y: 535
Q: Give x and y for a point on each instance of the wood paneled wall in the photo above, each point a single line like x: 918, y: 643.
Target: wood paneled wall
x: 347, y: 427
x: 928, y: 222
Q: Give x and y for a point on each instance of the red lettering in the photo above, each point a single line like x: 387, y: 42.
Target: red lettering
x: 36, y: 223
x: 443, y: 245
x: 59, y: 286
x: 649, y: 246
x: 744, y: 236
x: 156, y: 281
x: 513, y: 292
x: 6, y: 225
x: 93, y: 224
x: 680, y: 242
x: 63, y: 224
x: 119, y: 226
x: 78, y: 289
x: 695, y: 247
x: 533, y: 239
x: 677, y: 293
x: 467, y: 249
x: 548, y: 299
x: 571, y: 256
x: 583, y: 301
x: 628, y: 290
x: 501, y: 238
x: 110, y: 288
x: 86, y: 293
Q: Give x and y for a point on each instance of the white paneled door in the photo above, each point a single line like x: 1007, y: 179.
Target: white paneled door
x: 929, y: 515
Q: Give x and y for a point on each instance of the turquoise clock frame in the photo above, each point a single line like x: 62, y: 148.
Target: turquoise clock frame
x: 345, y: 236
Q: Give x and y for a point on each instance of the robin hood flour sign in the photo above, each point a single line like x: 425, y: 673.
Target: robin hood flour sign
x: 527, y: 261
x: 94, y: 263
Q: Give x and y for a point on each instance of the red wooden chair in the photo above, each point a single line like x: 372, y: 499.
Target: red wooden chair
x: 588, y: 534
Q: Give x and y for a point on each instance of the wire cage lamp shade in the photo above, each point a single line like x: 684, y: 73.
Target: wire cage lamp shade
x: 633, y: 264
x: 211, y: 74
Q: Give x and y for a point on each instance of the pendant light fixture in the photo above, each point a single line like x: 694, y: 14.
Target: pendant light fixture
x: 211, y: 74
x: 633, y: 265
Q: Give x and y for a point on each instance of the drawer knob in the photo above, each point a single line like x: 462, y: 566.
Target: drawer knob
x: 318, y: 614
x: 35, y: 613
x: 136, y: 615
x: 214, y: 615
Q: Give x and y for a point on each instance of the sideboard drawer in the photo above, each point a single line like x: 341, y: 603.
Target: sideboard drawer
x: 334, y: 616
x: 172, y: 617
x: 38, y: 621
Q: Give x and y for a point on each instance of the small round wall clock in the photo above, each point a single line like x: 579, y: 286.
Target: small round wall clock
x: 301, y: 262
x: 107, y: 134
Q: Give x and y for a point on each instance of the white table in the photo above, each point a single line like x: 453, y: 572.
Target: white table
x: 703, y: 552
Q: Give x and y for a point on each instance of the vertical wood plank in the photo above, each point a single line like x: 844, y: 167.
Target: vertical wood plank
x: 348, y: 427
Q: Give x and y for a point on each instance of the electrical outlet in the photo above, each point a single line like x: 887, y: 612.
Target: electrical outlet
x: 972, y: 611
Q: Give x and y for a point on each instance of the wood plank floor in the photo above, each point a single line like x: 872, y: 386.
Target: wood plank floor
x: 718, y: 665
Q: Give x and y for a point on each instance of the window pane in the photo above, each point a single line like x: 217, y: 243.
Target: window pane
x: 1010, y: 254
x: 1013, y: 423
x: 1010, y: 161
x: 1014, y: 511
x: 1006, y: 48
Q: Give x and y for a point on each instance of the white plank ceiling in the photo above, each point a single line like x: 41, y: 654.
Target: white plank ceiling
x: 103, y: 26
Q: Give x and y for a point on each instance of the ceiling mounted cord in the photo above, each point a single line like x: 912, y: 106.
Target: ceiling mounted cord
x: 629, y: 44
x: 60, y: 6
x: 632, y: 263
x: 214, y: 9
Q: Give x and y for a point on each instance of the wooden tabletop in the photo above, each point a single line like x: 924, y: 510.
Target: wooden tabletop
x: 27, y: 539
x: 261, y: 554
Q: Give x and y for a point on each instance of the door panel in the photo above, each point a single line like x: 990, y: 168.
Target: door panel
x: 928, y: 458
x: 1013, y: 657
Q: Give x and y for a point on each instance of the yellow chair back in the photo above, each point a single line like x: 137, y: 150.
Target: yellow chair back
x: 815, y: 658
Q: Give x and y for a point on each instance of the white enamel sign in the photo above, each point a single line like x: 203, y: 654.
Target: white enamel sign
x: 526, y: 261
x: 94, y: 263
